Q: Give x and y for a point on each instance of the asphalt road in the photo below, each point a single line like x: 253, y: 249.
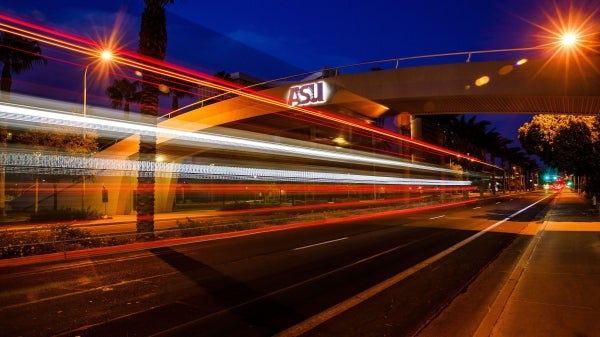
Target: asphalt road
x: 386, y: 276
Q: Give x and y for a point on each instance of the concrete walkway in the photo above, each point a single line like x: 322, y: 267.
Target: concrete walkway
x: 557, y: 292
x: 546, y: 284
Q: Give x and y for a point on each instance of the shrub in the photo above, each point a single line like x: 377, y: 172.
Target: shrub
x: 18, y: 244
x: 70, y: 236
x: 245, y: 205
x: 65, y: 214
x: 192, y: 228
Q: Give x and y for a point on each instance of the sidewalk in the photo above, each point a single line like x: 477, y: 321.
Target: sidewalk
x: 546, y: 284
x: 555, y: 288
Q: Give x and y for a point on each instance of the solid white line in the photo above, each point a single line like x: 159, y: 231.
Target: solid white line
x: 437, y: 217
x: 321, y: 243
x: 478, y: 207
x: 353, y: 301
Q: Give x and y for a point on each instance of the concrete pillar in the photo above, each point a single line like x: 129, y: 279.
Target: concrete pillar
x: 164, y: 192
x: 416, y: 132
x: 416, y: 128
x: 403, y: 123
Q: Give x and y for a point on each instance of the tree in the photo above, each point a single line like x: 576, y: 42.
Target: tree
x: 516, y: 159
x: 17, y: 55
x: 562, y: 141
x: 179, y: 90
x: 122, y: 93
x: 224, y: 75
x: 467, y: 135
x: 152, y: 44
x: 494, y: 143
x: 472, y: 137
x: 568, y: 143
x: 59, y: 140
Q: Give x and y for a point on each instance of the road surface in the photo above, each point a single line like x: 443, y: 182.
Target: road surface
x: 386, y: 276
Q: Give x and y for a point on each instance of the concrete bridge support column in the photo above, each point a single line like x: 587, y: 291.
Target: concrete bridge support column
x: 403, y: 121
x: 416, y: 127
x: 164, y: 192
x: 121, y: 193
x: 416, y: 132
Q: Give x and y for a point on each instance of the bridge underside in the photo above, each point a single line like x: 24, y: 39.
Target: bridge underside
x: 536, y: 87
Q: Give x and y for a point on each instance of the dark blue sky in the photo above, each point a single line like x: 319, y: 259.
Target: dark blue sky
x: 307, y: 34
x: 272, y: 38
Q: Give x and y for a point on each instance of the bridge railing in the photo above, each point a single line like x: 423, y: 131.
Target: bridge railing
x: 392, y: 63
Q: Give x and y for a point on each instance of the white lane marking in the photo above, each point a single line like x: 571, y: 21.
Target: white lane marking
x: 437, y: 217
x: 355, y: 300
x: 321, y: 243
x: 498, y: 202
x: 478, y: 207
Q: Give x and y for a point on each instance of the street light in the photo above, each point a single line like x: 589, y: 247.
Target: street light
x: 105, y: 55
x: 568, y: 39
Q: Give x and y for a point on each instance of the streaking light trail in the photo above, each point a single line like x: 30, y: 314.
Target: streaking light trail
x: 136, y: 61
x: 63, y: 164
x: 41, y: 116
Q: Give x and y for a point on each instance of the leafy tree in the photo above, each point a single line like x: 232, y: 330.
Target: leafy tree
x: 17, y: 55
x: 59, y: 140
x: 152, y: 44
x: 568, y: 143
x: 562, y: 141
x: 122, y: 93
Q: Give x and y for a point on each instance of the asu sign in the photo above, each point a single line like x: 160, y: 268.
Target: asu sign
x: 308, y: 94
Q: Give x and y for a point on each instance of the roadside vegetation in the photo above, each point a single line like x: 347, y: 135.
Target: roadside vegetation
x: 63, y: 237
x: 568, y: 143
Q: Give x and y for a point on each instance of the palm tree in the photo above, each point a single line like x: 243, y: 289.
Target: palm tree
x: 17, y: 55
x: 152, y: 44
x: 466, y: 136
x: 179, y: 90
x: 122, y: 93
x: 493, y: 143
x: 224, y: 75
x: 515, y: 158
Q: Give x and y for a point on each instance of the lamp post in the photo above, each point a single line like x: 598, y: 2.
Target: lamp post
x: 105, y: 55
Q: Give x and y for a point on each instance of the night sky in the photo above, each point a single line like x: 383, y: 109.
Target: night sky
x: 272, y: 39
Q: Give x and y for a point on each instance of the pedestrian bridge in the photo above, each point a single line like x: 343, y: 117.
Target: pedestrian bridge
x: 538, y: 86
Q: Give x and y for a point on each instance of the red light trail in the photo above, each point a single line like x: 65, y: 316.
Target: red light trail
x: 126, y: 58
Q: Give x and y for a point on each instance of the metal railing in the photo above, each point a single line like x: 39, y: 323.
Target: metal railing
x: 392, y: 63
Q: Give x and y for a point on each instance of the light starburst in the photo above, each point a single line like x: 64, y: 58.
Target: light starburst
x: 571, y: 35
x: 572, y: 31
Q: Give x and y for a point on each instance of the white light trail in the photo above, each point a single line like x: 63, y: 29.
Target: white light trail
x: 64, y: 164
x: 36, y: 115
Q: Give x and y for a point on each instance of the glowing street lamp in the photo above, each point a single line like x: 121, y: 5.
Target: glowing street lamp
x: 105, y: 55
x: 568, y: 39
